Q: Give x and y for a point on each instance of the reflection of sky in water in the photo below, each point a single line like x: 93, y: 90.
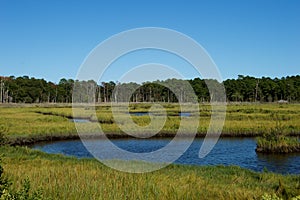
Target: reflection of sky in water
x: 77, y: 120
x: 182, y: 114
x: 228, y: 151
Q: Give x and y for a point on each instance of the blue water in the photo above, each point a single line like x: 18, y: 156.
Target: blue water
x: 139, y: 113
x: 228, y: 151
x: 78, y: 120
x: 181, y: 114
x: 185, y: 114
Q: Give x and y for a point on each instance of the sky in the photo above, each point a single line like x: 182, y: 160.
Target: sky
x: 51, y: 39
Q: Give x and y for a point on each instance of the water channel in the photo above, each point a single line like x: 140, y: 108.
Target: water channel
x: 228, y: 151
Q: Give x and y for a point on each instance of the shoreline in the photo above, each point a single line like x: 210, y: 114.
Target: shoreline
x: 69, y: 141
x: 23, y: 141
x: 27, y: 140
x: 57, y: 171
x: 41, y: 123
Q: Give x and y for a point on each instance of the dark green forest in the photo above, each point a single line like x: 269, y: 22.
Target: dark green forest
x: 243, y: 89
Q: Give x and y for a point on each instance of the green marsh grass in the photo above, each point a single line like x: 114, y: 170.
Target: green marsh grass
x: 276, y: 139
x: 70, y: 178
x: 241, y: 119
x: 62, y: 177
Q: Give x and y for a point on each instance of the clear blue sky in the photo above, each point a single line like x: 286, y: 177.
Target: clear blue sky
x: 50, y: 39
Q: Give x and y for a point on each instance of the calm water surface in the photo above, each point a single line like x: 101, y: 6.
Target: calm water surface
x: 228, y: 151
x: 181, y: 114
x: 78, y: 120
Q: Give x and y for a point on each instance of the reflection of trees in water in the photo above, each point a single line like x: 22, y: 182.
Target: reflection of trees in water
x: 278, y: 161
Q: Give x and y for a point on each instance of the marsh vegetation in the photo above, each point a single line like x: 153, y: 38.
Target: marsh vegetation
x: 276, y: 140
x: 63, y: 177
x: 27, y: 123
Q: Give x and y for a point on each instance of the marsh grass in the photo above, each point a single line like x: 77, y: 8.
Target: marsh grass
x: 241, y: 119
x: 282, y: 144
x: 70, y: 178
x: 276, y: 140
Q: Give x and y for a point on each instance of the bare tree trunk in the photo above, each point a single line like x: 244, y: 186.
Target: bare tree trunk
x: 150, y: 95
x: 6, y: 98
x: 108, y: 100
x: 99, y: 95
x: 55, y: 95
x: 104, y: 94
x: 256, y: 90
x: 1, y: 91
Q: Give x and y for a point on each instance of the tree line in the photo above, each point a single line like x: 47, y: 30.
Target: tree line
x: 243, y: 89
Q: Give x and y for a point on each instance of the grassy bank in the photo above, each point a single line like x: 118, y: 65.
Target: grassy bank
x: 62, y: 177
x: 276, y: 141
x: 53, y: 122
x: 282, y: 144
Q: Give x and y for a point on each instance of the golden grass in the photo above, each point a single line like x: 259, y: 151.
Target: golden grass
x: 68, y: 178
x: 241, y: 120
